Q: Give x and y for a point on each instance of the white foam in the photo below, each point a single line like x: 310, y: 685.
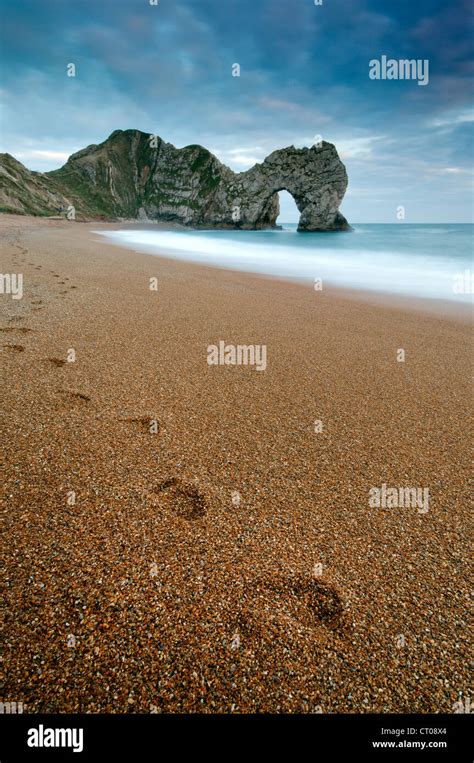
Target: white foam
x: 306, y: 257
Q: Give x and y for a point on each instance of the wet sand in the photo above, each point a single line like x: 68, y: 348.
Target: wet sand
x: 181, y: 537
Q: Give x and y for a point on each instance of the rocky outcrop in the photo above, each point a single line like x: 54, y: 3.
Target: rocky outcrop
x: 133, y: 175
x: 28, y: 193
x: 315, y: 177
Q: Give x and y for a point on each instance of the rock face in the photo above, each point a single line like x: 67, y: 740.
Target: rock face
x: 27, y: 193
x: 315, y: 177
x: 133, y: 175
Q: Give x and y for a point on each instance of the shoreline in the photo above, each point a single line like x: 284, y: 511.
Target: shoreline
x: 185, y: 537
x: 461, y: 311
x: 452, y: 309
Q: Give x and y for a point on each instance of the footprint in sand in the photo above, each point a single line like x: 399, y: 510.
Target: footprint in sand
x: 74, y: 396
x: 18, y: 329
x: 285, y: 601
x: 147, y: 422
x: 13, y: 347
x: 182, y: 498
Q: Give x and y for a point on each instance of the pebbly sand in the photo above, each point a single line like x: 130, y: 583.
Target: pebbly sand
x: 229, y: 561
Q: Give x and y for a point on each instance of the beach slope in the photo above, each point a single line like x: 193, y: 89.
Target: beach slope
x: 186, y: 537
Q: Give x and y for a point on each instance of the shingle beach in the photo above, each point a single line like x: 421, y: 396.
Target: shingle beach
x: 181, y: 537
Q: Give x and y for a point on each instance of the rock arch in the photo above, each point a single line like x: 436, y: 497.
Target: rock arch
x: 316, y: 179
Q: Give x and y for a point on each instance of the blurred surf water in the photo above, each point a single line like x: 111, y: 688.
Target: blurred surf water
x: 416, y: 260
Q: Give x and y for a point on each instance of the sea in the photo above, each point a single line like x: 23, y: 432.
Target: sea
x: 430, y: 261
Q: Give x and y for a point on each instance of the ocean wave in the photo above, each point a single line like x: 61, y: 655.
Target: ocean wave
x: 410, y: 271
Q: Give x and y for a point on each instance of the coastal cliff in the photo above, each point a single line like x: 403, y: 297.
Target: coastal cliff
x: 134, y: 175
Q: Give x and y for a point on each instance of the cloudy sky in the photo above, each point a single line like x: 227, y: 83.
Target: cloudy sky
x: 304, y: 72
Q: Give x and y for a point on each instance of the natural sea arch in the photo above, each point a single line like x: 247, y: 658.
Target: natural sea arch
x: 315, y: 178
